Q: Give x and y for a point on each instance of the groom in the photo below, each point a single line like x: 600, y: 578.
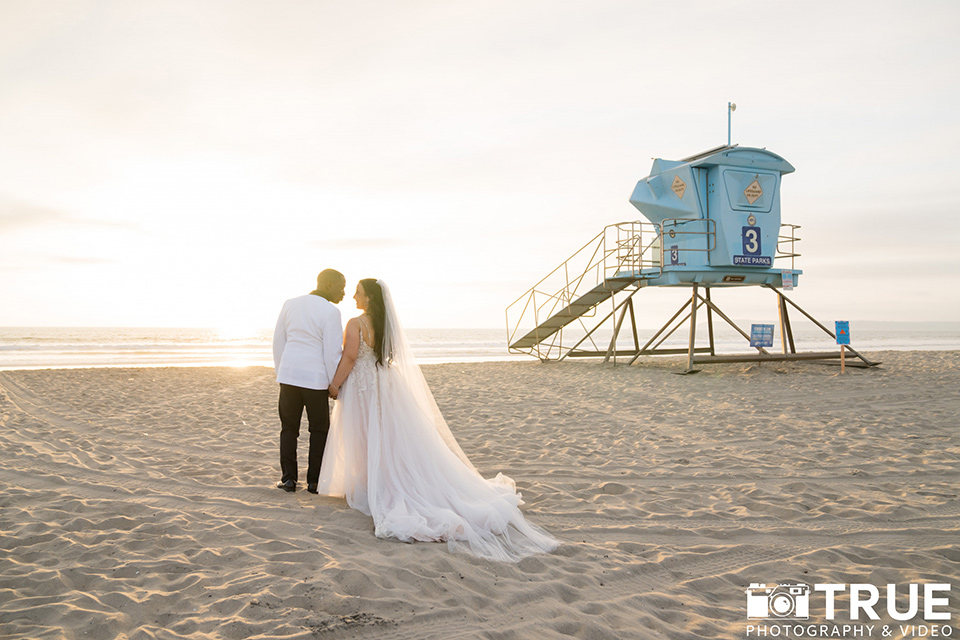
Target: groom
x: 306, y: 351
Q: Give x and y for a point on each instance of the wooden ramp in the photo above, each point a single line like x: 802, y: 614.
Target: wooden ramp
x: 576, y: 309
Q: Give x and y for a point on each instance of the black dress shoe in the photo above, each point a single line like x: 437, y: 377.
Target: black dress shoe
x: 312, y: 488
x: 289, y: 485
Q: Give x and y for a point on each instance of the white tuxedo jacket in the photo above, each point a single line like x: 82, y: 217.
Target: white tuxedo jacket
x: 307, y: 342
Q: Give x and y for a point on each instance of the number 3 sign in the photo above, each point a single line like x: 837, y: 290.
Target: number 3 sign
x: 751, y: 241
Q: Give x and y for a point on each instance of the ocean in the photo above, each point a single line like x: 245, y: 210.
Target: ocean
x: 83, y: 347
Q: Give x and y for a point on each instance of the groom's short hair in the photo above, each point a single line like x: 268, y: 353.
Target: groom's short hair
x: 329, y: 277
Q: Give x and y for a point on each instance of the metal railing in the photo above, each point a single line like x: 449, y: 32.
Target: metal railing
x: 787, y: 243
x: 672, y: 228
x: 613, y: 262
x: 631, y: 254
x: 620, y: 249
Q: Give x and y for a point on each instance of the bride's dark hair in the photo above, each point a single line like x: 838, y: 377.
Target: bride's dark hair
x: 377, y: 313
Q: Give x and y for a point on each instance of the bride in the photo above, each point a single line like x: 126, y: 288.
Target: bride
x: 392, y: 456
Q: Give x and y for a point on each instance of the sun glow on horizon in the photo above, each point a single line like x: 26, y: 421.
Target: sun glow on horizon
x: 240, y: 331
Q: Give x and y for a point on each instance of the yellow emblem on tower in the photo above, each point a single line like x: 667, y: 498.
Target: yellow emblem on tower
x: 679, y: 186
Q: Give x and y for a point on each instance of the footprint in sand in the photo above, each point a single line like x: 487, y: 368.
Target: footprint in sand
x: 614, y: 489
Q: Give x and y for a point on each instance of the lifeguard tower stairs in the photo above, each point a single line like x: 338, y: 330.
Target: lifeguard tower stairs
x: 713, y: 222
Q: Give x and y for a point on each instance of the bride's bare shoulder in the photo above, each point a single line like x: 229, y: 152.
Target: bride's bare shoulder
x: 352, y: 326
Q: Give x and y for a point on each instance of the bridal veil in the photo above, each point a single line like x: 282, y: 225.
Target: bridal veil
x: 392, y: 455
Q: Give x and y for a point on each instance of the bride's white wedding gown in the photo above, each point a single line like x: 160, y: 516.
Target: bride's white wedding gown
x: 385, y: 455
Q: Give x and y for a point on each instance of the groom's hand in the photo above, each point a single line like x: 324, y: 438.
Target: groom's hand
x: 334, y: 391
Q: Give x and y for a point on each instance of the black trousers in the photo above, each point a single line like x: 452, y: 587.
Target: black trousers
x: 292, y: 402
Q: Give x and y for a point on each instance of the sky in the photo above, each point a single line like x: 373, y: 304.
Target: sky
x: 195, y: 163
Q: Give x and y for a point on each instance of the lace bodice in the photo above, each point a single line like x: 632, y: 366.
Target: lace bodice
x: 365, y: 368
x: 366, y: 351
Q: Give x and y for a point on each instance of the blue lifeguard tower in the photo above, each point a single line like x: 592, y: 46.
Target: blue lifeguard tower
x: 713, y: 221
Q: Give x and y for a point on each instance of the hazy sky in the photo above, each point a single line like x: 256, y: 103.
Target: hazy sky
x: 196, y: 163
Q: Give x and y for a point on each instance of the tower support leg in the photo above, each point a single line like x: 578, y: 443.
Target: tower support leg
x: 713, y: 346
x: 660, y: 332
x: 694, y: 303
x: 784, y: 298
x: 612, y: 349
x: 786, y: 331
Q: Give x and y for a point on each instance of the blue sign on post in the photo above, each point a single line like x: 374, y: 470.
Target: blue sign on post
x: 843, y: 332
x: 761, y: 335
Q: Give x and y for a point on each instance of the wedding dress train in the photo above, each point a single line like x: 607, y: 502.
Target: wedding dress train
x: 392, y: 456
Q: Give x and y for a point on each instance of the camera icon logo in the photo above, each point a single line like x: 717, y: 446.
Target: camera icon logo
x: 782, y: 601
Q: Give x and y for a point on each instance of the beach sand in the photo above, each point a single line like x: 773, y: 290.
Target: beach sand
x: 139, y: 503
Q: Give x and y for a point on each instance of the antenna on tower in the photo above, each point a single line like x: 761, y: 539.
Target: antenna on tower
x: 731, y: 107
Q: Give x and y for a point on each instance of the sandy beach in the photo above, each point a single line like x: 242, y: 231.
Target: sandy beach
x: 139, y: 503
